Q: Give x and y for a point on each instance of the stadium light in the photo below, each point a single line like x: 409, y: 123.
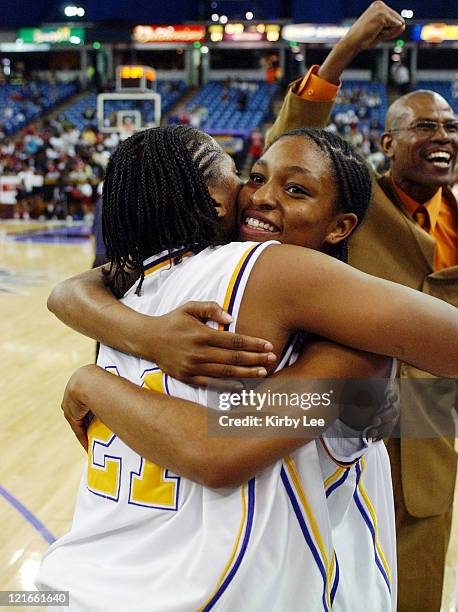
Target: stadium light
x: 249, y: 15
x: 74, y: 11
x: 215, y: 17
x: 71, y: 11
x: 407, y: 13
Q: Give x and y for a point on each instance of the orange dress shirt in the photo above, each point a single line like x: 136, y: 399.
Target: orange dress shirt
x: 437, y: 217
x: 440, y: 219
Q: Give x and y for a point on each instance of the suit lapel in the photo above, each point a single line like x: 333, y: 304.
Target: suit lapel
x: 424, y: 241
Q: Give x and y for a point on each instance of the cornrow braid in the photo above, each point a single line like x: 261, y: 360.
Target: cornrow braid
x: 351, y: 173
x: 156, y: 198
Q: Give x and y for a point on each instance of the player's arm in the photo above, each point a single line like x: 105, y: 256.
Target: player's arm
x: 174, y: 433
x: 309, y: 101
x: 179, y: 342
x: 305, y: 289
x: 379, y: 23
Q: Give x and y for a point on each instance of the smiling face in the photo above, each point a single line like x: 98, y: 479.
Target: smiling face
x: 421, y: 160
x: 291, y: 197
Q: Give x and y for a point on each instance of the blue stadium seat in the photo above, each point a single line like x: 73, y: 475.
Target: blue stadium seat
x: 222, y: 105
x: 22, y: 104
x: 359, y: 91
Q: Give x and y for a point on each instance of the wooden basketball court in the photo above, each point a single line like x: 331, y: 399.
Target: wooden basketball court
x: 41, y: 461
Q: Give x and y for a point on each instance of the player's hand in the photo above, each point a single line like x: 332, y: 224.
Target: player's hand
x: 195, y: 353
x: 377, y: 24
x: 74, y: 409
x: 384, y: 422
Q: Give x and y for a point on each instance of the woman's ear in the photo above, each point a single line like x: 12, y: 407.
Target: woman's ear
x: 220, y: 210
x: 343, y: 226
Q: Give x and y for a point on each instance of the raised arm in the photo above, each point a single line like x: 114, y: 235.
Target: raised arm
x: 305, y: 289
x: 303, y: 106
x: 179, y: 342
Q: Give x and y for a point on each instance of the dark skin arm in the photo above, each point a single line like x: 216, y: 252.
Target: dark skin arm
x: 293, y: 288
x: 174, y: 433
x: 379, y: 23
x: 179, y: 342
x: 386, y: 318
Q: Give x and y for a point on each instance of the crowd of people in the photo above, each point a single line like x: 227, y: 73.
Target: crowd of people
x: 60, y: 168
x: 355, y: 120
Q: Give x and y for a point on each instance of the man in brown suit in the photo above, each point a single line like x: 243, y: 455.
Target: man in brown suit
x: 410, y: 236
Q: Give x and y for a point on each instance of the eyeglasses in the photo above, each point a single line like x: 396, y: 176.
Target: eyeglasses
x: 428, y: 128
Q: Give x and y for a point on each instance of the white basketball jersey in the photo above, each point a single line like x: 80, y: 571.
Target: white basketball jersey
x: 359, y: 494
x: 145, y: 539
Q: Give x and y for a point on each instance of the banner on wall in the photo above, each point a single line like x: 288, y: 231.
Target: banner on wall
x: 168, y: 33
x: 435, y: 32
x: 240, y: 32
x: 56, y: 36
x: 314, y: 33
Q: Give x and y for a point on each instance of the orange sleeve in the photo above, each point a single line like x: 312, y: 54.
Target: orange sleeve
x: 313, y: 88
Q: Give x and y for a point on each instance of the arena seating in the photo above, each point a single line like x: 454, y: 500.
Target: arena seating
x: 223, y: 102
x: 359, y: 116
x: 447, y: 89
x: 21, y: 104
x: 170, y: 94
x: 368, y: 100
x: 74, y: 113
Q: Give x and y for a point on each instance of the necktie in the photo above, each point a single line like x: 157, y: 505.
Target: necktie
x: 422, y: 218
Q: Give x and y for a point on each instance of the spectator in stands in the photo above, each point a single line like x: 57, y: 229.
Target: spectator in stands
x: 242, y: 100
x: 256, y: 145
x: 401, y: 77
x: 89, y: 113
x: 195, y: 118
x: 183, y: 115
x: 26, y: 177
x: 88, y: 135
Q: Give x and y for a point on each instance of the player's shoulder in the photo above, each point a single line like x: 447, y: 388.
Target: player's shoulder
x: 231, y: 254
x: 282, y: 257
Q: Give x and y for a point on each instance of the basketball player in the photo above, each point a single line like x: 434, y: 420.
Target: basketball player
x: 134, y: 507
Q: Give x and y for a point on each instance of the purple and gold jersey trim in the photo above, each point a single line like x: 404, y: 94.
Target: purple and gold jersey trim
x: 342, y: 464
x: 367, y: 511
x: 236, y: 279
x: 236, y: 558
x: 164, y: 261
x: 309, y: 527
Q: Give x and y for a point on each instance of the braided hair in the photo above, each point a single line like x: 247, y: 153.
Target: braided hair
x: 351, y: 173
x: 155, y: 198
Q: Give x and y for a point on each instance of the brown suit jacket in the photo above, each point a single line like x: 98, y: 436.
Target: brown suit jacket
x: 391, y: 245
